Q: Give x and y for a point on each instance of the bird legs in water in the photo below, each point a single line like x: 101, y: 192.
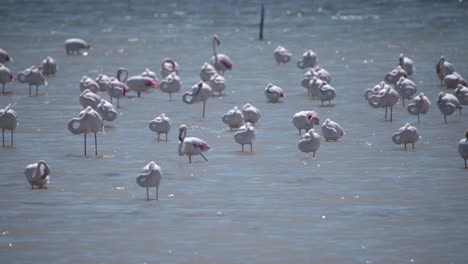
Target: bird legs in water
x: 95, y: 143
x: 3, y: 138
x: 190, y: 157
x: 391, y: 113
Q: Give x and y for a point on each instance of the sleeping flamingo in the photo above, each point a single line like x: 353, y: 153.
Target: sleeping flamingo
x: 310, y: 142
x: 245, y: 135
x: 326, y: 92
x: 251, y: 113
x: 170, y: 84
x: 138, y: 83
x: 407, y: 64
x: 419, y: 106
x: 88, y: 83
x: 48, y: 66
x: 169, y: 66
x: 103, y: 80
x: 88, y: 98
x: 406, y: 88
x: 150, y: 177
x: 191, y: 146
x: 4, y: 57
x: 160, y: 125
x: 37, y: 174
x: 447, y: 104
x: 305, y: 120
x: 32, y: 76
x: 308, y: 60
x: 8, y: 121
x: 322, y: 74
x: 332, y: 130
x: 221, y: 62
x: 386, y: 97
x: 273, y: 93
x: 461, y: 92
x: 106, y: 110
x: 452, y: 80
x: 376, y: 89
x: 88, y: 121
x: 6, y: 76
x: 463, y: 148
x: 393, y: 76
x: 282, y: 55
x: 233, y: 118
x: 116, y: 89
x: 200, y: 93
x: 405, y: 135
x: 207, y: 71
x: 217, y: 83
x: 443, y: 68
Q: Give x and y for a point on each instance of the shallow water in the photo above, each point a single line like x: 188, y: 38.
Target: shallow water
x: 361, y: 200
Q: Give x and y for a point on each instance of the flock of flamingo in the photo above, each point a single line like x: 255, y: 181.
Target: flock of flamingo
x: 396, y: 86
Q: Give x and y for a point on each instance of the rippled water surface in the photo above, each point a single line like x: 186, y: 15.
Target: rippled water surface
x: 361, y: 200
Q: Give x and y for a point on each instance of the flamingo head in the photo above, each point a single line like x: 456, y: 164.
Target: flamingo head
x: 314, y: 118
x: 282, y: 95
x: 227, y: 64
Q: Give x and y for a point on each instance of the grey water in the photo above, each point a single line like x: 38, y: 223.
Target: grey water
x: 363, y: 199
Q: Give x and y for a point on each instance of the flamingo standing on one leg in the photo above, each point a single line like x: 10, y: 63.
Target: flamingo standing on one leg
x: 447, y: 104
x: 38, y: 174
x: 407, y: 64
x: 221, y: 62
x: 191, y: 146
x: 169, y: 66
x: 88, y: 121
x: 200, y: 93
x: 443, y: 68
x: 310, y: 142
x: 419, y: 106
x: 8, y: 121
x: 6, y: 76
x: 150, y: 177
x: 463, y: 148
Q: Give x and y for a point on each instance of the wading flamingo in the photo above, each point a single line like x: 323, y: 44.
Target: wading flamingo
x: 170, y: 84
x: 88, y: 83
x: 8, y: 121
x: 48, y: 66
x: 452, y: 80
x: 37, y: 174
x: 463, y: 148
x: 419, y: 106
x: 305, y: 120
x: 233, y: 118
x: 138, y: 83
x: 88, y: 121
x: 393, y: 76
x: 207, y: 71
x: 75, y: 45
x: 405, y: 135
x: 6, y: 76
x: 406, y: 88
x: 251, y: 113
x: 160, y: 125
x: 245, y: 135
x: 308, y: 60
x: 106, y: 110
x: 273, y: 93
x: 443, y: 68
x: 407, y: 64
x: 191, y: 146
x: 282, y: 55
x: 200, y: 93
x: 4, y: 57
x: 461, y: 92
x: 169, y: 66
x: 326, y: 92
x: 103, y: 81
x: 387, y: 97
x: 116, y: 89
x: 310, y: 142
x: 150, y: 176
x: 221, y: 62
x: 217, y: 83
x: 447, y: 104
x: 332, y: 130
x: 88, y: 98
x: 32, y: 76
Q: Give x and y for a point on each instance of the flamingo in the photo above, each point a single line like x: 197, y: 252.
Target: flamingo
x: 200, y: 93
x: 406, y: 88
x: 463, y: 147
x: 207, y: 71
x: 405, y: 135
x: 88, y: 98
x: 386, y: 97
x: 305, y: 120
x: 419, y: 106
x: 4, y: 57
x: 322, y: 74
x: 8, y: 121
x: 169, y: 66
x: 74, y: 45
x: 191, y: 146
x: 160, y: 125
x: 221, y: 62
x: 106, y: 110
x: 103, y: 81
x: 116, y: 89
x: 314, y: 85
x: 273, y: 93
x: 138, y: 83
x: 326, y: 92
x: 48, y: 66
x: 251, y: 113
x: 452, y: 80
x: 308, y: 60
x: 88, y: 121
x: 32, y: 76
x: 217, y: 83
x: 407, y: 64
x: 376, y: 89
x: 447, y: 104
x: 148, y: 73
x: 6, y: 76
x: 38, y: 174
x: 310, y: 142
x: 88, y: 83
x: 332, y: 130
x: 443, y: 68
x: 233, y: 118
x: 171, y: 84
x: 245, y: 135
x: 150, y: 177
x: 393, y: 76
x: 461, y: 92
x: 282, y: 55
